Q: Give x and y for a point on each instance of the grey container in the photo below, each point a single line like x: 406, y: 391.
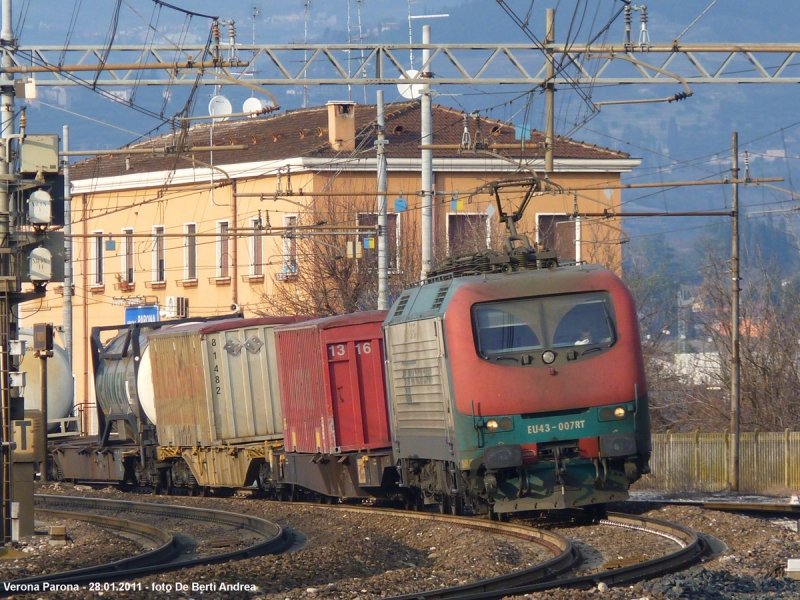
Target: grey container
x: 217, y: 383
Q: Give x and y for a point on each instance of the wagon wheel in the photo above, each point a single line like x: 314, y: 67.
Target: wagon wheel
x: 496, y: 516
x: 445, y: 505
x: 457, y: 505
x: 413, y: 501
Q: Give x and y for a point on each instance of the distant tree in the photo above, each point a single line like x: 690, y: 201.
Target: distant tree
x: 769, y: 350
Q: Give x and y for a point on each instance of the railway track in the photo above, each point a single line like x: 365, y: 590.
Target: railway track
x: 567, y: 557
x: 550, y: 574
x: 775, y: 508
x: 692, y: 549
x: 168, y: 555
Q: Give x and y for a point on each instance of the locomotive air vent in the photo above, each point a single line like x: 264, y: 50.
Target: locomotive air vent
x: 439, y: 300
x: 401, y: 306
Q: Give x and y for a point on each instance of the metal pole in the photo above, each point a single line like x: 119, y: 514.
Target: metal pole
x: 43, y: 408
x: 6, y: 167
x: 735, y: 359
x: 66, y: 318
x: 427, y: 163
x: 383, y: 238
x: 234, y: 251
x: 550, y: 92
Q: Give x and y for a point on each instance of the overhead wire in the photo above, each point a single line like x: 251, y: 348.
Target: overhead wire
x: 110, y: 36
x: 76, y: 7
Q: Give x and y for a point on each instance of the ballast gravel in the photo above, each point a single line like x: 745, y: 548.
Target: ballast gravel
x: 750, y: 566
x: 39, y: 557
x: 351, y: 556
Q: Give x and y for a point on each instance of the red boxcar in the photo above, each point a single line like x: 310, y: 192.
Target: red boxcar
x: 333, y: 395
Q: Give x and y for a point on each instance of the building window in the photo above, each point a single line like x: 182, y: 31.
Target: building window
x: 557, y: 232
x: 190, y: 251
x: 96, y: 249
x: 467, y: 233
x: 223, y: 250
x: 256, y: 249
x: 289, y: 245
x: 393, y: 235
x: 127, y: 256
x: 159, y: 252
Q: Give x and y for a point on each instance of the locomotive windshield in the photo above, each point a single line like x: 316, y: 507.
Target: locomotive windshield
x: 513, y: 326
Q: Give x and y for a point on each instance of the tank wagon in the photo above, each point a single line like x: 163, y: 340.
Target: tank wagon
x: 125, y: 449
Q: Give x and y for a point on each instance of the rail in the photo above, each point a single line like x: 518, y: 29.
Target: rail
x: 692, y: 549
x: 162, y: 559
x: 566, y: 556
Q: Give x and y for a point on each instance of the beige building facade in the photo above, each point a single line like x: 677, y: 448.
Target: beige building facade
x: 198, y: 233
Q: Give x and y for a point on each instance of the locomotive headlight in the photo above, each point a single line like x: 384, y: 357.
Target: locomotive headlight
x: 619, y: 412
x: 492, y: 425
x: 548, y: 357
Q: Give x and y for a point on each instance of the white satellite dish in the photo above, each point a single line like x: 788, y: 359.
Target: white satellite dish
x: 410, y: 90
x: 252, y: 105
x: 220, y: 108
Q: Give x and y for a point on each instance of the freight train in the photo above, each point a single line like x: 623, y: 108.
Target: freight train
x: 515, y: 387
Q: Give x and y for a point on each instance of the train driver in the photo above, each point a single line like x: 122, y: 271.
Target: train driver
x: 584, y: 338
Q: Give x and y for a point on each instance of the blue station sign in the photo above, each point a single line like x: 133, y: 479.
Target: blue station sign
x: 141, y: 314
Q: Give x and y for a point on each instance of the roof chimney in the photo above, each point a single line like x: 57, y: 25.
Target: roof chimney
x: 342, y: 125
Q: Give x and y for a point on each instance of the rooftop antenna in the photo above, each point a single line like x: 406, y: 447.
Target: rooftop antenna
x: 256, y: 12
x: 306, y: 6
x: 361, y: 41
x: 349, y: 87
x: 410, y: 37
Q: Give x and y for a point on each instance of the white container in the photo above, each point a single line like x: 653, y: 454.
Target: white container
x: 59, y: 379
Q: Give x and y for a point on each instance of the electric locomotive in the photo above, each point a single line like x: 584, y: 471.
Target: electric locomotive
x: 517, y: 391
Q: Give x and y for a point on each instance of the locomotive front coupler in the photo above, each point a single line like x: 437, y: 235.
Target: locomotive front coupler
x: 524, y: 483
x: 560, y: 468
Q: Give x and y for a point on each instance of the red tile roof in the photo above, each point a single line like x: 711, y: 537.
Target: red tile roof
x: 304, y: 133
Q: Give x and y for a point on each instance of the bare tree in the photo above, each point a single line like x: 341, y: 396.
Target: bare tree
x: 323, y: 280
x: 769, y: 343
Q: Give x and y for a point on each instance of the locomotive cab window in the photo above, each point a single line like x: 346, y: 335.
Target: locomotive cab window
x: 502, y: 331
x: 586, y: 322
x: 516, y: 327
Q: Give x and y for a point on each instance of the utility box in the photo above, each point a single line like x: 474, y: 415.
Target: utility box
x: 793, y: 568
x: 43, y: 337
x: 39, y: 153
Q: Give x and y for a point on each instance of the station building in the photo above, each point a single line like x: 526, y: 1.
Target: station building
x: 179, y: 232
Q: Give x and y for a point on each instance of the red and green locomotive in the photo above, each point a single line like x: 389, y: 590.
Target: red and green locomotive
x: 518, y: 391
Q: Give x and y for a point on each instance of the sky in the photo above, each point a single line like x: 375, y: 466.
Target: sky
x: 676, y: 141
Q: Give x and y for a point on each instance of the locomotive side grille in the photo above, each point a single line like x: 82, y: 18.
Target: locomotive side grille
x: 440, y: 295
x: 417, y: 381
x: 401, y: 306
